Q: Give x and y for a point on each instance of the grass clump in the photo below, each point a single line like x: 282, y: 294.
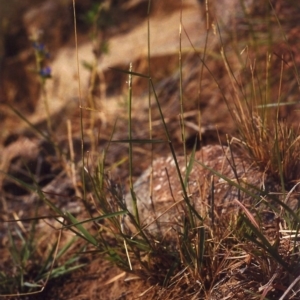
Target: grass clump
x: 34, y: 259
x: 235, y: 254
x: 251, y: 251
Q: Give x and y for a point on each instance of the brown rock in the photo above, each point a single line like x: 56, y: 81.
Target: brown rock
x: 233, y: 183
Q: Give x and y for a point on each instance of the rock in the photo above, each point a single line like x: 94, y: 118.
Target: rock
x: 167, y: 204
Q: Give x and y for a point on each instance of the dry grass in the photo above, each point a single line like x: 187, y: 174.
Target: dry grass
x: 250, y: 252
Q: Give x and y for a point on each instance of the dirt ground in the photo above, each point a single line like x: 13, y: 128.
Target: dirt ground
x: 125, y: 30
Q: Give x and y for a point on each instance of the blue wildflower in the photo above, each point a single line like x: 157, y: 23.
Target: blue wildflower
x: 45, y: 72
x: 40, y: 49
x: 38, y: 46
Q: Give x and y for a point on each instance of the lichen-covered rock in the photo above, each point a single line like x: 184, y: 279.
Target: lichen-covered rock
x: 233, y: 183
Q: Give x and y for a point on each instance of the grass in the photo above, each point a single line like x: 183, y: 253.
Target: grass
x: 34, y: 259
x: 227, y: 255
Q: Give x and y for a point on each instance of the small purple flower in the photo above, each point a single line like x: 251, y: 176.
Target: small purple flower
x: 45, y: 72
x: 41, y: 49
x: 38, y: 46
